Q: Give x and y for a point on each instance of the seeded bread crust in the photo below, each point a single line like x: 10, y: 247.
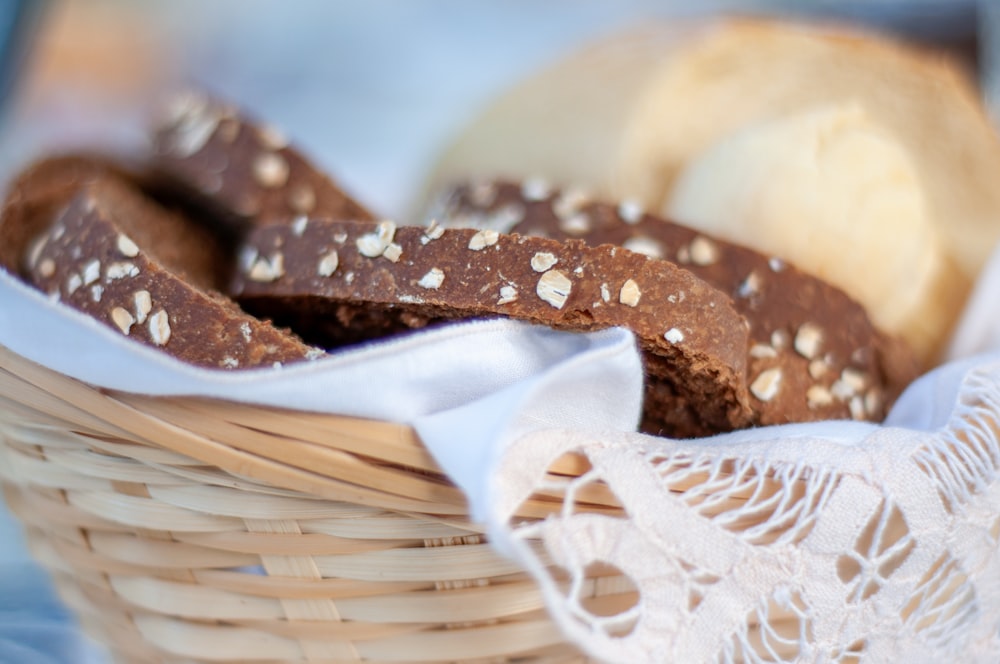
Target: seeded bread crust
x: 356, y: 279
x: 245, y: 171
x: 149, y: 274
x: 813, y: 353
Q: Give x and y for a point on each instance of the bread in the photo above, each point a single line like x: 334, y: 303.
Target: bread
x: 625, y: 116
x: 108, y: 251
x: 336, y: 282
x: 838, y: 193
x: 729, y: 337
x: 812, y: 353
x: 41, y: 191
x: 244, y: 170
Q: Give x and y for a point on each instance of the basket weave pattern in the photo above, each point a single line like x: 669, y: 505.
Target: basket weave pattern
x: 190, y: 530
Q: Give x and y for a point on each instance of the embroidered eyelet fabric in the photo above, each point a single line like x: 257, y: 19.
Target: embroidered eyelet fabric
x: 874, y: 544
x: 830, y: 542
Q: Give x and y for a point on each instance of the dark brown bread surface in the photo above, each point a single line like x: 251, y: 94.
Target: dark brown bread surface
x: 814, y: 353
x: 242, y: 169
x: 38, y: 194
x: 150, y: 274
x: 340, y: 281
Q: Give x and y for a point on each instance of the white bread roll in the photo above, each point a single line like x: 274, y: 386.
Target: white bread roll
x: 626, y: 116
x: 837, y: 192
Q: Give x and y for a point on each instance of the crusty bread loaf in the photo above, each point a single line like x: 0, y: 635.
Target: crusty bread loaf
x: 338, y: 281
x: 813, y: 352
x: 91, y: 240
x: 625, y: 116
x: 245, y: 170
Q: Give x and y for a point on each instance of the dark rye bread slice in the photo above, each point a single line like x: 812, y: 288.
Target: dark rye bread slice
x: 814, y: 353
x: 241, y: 169
x: 40, y: 192
x: 149, y: 274
x: 338, y: 282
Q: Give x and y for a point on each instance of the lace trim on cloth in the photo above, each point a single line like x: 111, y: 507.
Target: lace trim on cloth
x: 829, y: 543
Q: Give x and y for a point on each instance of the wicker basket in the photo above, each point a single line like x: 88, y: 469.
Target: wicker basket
x: 190, y: 530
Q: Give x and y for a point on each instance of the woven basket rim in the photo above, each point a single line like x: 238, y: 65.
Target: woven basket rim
x: 368, y: 462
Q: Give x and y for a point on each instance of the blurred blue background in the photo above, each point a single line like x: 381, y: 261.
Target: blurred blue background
x: 373, y: 89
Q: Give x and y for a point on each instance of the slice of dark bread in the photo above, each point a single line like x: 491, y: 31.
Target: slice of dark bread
x: 102, y: 247
x: 40, y: 192
x: 339, y: 282
x: 243, y: 170
x: 814, y: 354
